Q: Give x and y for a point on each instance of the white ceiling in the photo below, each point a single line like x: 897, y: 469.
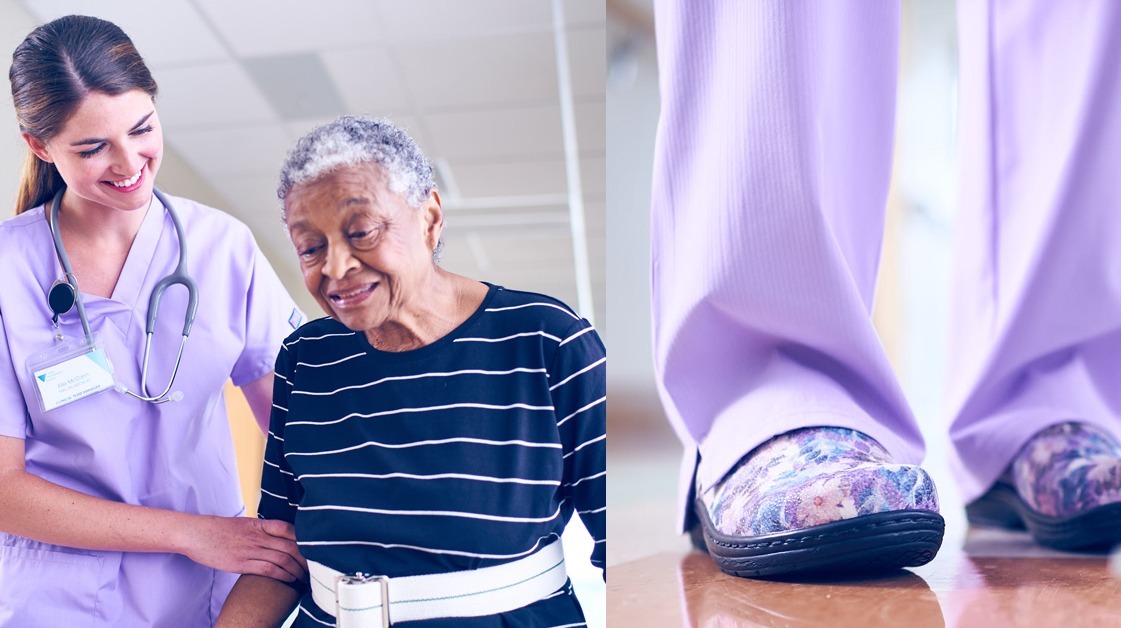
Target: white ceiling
x: 475, y: 82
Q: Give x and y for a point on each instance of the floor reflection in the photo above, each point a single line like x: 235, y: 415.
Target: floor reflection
x: 898, y: 599
x: 981, y: 582
x: 1035, y: 592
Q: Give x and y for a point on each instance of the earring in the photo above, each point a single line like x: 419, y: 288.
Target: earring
x: 438, y: 252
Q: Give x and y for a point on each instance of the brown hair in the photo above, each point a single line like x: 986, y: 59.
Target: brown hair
x: 54, y: 68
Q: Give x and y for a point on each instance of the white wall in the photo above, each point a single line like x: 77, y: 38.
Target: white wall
x: 15, y: 24
x: 632, y: 118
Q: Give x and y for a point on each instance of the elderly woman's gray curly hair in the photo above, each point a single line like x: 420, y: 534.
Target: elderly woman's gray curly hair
x: 348, y: 141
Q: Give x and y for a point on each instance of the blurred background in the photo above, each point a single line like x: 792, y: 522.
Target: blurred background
x: 476, y: 85
x: 505, y: 96
x: 912, y: 294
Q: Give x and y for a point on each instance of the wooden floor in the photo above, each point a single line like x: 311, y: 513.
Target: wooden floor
x: 985, y: 578
x: 956, y: 589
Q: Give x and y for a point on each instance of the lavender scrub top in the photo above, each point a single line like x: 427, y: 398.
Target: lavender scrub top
x: 176, y: 456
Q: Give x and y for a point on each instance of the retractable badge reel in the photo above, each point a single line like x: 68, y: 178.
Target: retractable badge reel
x: 61, y: 300
x: 71, y: 370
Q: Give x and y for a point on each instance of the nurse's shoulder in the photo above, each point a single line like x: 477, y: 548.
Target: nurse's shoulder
x: 220, y: 247
x: 18, y: 226
x: 209, y: 222
x: 24, y: 238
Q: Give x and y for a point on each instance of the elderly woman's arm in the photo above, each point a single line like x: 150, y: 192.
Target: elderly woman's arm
x: 257, y: 602
x: 580, y: 398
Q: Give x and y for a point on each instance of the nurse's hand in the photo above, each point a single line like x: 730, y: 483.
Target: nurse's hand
x: 248, y: 546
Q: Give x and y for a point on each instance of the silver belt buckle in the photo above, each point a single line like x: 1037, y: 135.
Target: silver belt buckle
x: 364, y: 578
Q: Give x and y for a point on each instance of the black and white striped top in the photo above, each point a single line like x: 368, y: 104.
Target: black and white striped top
x: 466, y: 453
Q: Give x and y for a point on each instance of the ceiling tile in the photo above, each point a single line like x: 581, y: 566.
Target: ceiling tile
x: 297, y: 85
x: 367, y: 80
x: 174, y: 34
x: 189, y: 98
x: 516, y: 178
x: 542, y: 251
x: 233, y: 151
x: 434, y: 19
x: 509, y: 222
x: 509, y: 134
x: 530, y: 177
x: 267, y: 27
x: 500, y: 70
x: 515, y: 134
x: 299, y: 128
x: 295, y: 129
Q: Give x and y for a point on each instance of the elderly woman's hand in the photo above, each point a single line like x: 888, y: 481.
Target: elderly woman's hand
x: 246, y: 546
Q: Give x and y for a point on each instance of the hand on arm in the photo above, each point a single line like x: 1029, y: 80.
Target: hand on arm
x: 37, y: 509
x: 246, y: 546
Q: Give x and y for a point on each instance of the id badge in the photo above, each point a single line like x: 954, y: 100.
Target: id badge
x: 69, y: 372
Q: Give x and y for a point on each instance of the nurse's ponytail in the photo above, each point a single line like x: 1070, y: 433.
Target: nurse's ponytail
x: 38, y: 183
x: 57, y: 66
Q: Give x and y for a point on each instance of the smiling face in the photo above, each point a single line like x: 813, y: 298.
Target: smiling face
x: 109, y: 151
x: 366, y: 256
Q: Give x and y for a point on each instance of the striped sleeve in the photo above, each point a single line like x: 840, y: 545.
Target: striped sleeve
x: 578, y: 385
x: 280, y: 491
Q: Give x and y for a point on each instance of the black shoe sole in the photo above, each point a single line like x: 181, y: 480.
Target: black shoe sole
x: 860, y: 546
x: 1093, y: 530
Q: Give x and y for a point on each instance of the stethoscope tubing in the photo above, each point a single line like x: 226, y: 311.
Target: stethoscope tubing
x: 178, y: 276
x: 64, y: 260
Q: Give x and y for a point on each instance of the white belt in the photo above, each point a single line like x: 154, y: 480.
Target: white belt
x: 357, y: 600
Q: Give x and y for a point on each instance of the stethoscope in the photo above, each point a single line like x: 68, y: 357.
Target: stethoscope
x: 64, y: 295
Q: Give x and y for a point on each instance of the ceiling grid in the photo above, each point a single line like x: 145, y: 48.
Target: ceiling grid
x: 476, y: 83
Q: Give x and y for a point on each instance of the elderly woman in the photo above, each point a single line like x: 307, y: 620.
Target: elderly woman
x: 433, y: 431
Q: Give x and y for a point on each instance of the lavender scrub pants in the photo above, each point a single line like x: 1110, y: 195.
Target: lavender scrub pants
x: 771, y: 174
